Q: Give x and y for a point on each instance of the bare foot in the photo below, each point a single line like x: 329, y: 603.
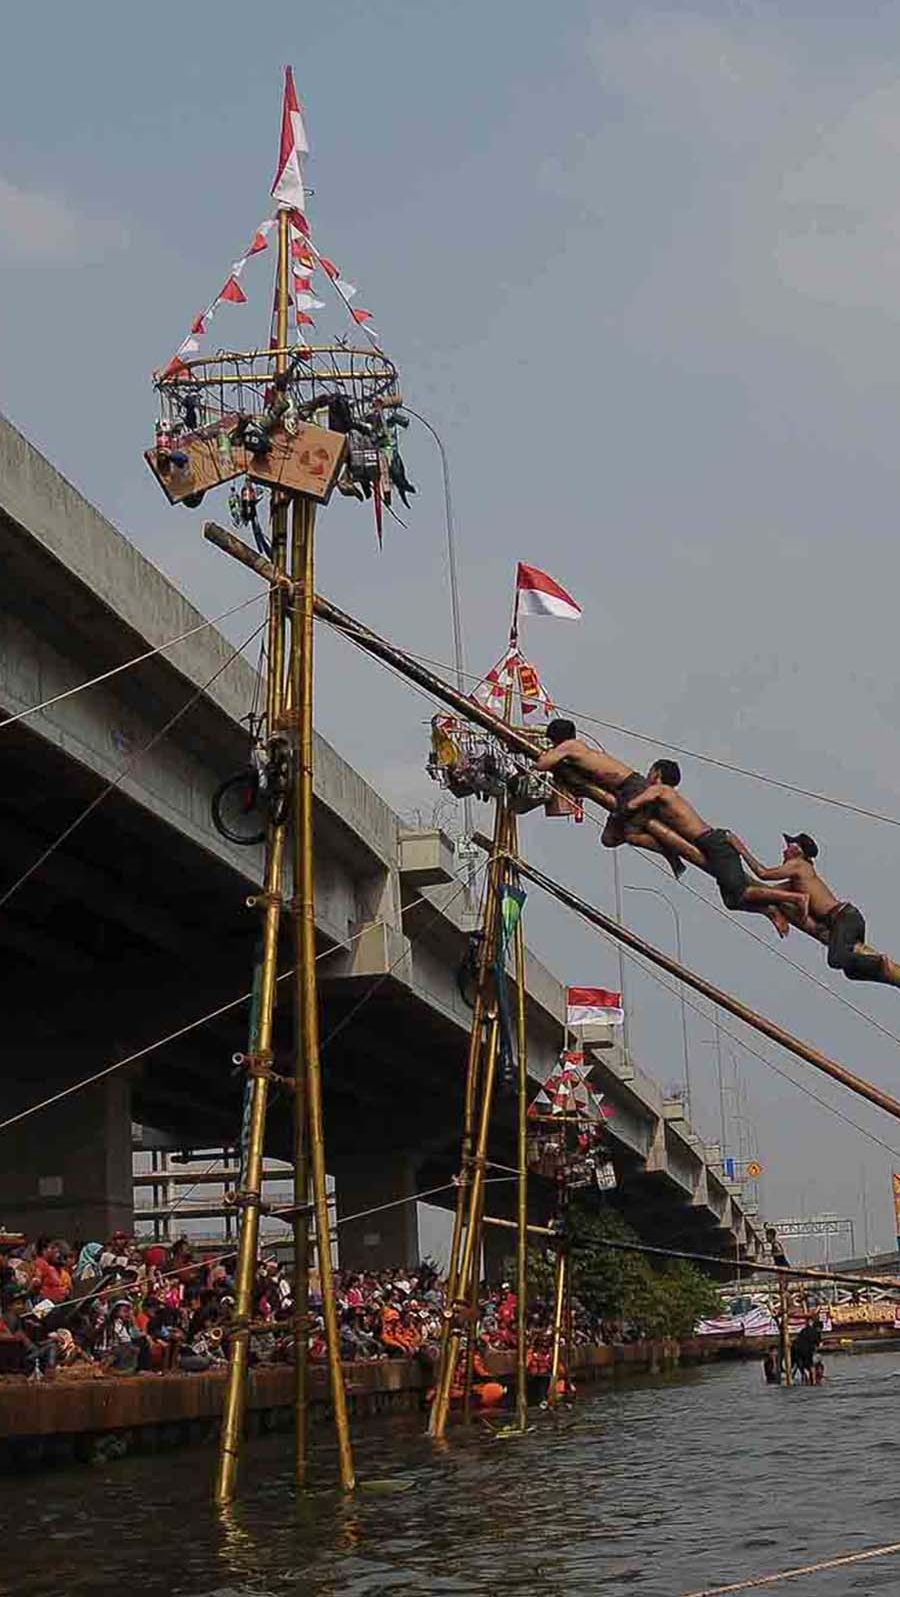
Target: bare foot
x: 780, y: 922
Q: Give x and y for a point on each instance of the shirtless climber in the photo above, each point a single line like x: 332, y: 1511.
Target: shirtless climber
x: 572, y: 757
x: 721, y: 855
x: 833, y: 921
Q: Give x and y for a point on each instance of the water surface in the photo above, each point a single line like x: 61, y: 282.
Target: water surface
x: 651, y: 1489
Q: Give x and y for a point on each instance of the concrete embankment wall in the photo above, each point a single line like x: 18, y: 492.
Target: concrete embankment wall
x: 87, y: 1420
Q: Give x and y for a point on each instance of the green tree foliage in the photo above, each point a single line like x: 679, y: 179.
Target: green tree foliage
x: 654, y: 1300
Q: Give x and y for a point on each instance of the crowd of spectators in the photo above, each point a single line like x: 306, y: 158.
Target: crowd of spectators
x: 132, y: 1307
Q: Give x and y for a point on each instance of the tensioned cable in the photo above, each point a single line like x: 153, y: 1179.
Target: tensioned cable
x: 224, y: 1009
x: 793, y: 1574
x: 130, y: 764
x: 777, y: 952
x: 692, y: 754
x: 754, y: 1052
x: 125, y: 1288
x: 284, y: 1211
x: 126, y: 665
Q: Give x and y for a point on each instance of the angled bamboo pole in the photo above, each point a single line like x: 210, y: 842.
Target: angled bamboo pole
x: 435, y: 685
x: 489, y: 932
x: 734, y: 1006
x: 559, y: 1298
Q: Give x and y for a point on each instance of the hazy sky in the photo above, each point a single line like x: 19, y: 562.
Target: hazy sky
x: 641, y: 266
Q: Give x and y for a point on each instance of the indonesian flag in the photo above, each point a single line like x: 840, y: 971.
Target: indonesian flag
x: 287, y: 189
x: 538, y: 595
x: 587, y: 1004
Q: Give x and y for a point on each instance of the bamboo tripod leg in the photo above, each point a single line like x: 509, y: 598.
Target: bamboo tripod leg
x: 260, y: 1051
x: 567, y: 1361
x: 441, y: 1399
x: 473, y: 1235
x: 559, y: 1294
x: 474, y: 1296
x: 302, y: 666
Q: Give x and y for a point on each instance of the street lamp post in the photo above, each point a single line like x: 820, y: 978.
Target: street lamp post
x: 657, y: 893
x: 453, y: 582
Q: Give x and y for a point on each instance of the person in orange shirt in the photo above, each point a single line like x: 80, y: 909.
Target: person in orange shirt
x: 46, y: 1276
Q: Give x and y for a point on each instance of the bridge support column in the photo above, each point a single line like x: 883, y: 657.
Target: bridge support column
x: 498, y: 1254
x: 66, y: 1171
x: 388, y: 1237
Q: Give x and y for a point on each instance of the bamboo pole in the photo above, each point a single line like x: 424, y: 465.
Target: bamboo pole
x: 310, y: 1090
x: 798, y: 1272
x: 559, y: 1290
x: 301, y: 535
x: 472, y: 1332
x: 784, y: 1329
x: 262, y: 1021
x: 458, y: 1308
x: 489, y: 928
x: 521, y: 1167
x: 442, y: 690
x: 734, y: 1006
x: 380, y: 649
x: 513, y: 1225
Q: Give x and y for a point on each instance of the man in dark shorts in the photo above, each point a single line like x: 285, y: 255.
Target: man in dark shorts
x: 722, y: 857
x: 572, y: 757
x: 837, y: 923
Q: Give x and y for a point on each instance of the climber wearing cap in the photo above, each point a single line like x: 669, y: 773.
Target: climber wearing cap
x: 835, y: 922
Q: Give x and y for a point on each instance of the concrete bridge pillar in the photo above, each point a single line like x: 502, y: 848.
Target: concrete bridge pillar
x: 498, y: 1254
x: 66, y: 1170
x: 365, y: 1182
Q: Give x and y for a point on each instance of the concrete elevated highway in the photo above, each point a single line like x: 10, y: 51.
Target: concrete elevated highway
x: 136, y: 923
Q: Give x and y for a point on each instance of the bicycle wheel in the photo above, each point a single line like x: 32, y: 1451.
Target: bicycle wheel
x: 236, y: 812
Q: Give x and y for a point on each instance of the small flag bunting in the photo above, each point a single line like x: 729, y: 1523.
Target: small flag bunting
x: 233, y: 293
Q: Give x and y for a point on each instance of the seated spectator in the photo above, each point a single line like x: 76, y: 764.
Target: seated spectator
x: 46, y: 1274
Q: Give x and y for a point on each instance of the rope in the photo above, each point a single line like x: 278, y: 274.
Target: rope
x: 692, y: 754
x: 769, y: 947
x: 284, y: 1211
x: 92, y: 682
x: 129, y: 766
x: 802, y: 1569
x: 778, y: 953
x: 223, y: 1009
x: 754, y: 1052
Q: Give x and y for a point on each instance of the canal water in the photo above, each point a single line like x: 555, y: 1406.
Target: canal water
x: 655, y: 1488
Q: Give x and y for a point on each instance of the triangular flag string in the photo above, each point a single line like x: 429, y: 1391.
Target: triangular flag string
x: 230, y: 293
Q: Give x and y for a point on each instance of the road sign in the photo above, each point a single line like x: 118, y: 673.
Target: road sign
x: 814, y: 1225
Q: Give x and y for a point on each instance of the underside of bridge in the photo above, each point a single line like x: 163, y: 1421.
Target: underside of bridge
x: 125, y: 921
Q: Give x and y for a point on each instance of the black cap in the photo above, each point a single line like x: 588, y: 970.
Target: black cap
x: 807, y: 845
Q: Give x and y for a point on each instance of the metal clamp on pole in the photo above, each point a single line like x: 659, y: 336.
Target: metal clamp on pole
x: 264, y: 900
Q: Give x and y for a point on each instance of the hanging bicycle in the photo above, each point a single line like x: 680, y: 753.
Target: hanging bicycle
x: 247, y: 802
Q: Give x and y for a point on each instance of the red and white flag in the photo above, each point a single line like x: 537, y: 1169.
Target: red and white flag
x: 587, y: 1004
x: 538, y: 595
x: 288, y: 189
